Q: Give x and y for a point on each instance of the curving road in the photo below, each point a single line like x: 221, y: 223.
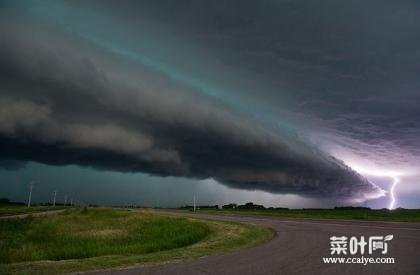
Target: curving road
x: 299, y: 247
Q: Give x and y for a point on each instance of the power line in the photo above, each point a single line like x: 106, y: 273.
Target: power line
x: 55, y: 196
x: 31, y: 185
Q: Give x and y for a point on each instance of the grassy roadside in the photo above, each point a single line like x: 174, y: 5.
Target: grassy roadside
x: 198, y: 238
x: 400, y: 215
x: 9, y: 210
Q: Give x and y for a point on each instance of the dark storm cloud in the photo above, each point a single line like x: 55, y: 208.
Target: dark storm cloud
x: 64, y: 101
x: 351, y: 69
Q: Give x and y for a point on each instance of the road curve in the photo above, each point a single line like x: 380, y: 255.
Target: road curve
x: 299, y: 247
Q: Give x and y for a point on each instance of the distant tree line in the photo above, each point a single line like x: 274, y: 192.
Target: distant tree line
x: 253, y: 206
x: 351, y: 208
x: 249, y: 205
x: 187, y: 207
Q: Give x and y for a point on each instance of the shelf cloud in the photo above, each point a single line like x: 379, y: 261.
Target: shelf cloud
x: 65, y: 101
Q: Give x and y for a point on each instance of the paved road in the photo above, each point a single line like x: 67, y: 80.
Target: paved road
x: 299, y: 247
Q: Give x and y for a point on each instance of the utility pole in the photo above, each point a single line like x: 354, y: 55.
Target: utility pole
x: 55, y: 196
x: 71, y: 202
x: 31, y: 185
x: 194, y: 202
x: 65, y: 200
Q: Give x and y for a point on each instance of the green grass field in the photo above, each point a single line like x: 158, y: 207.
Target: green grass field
x: 80, y: 239
x: 404, y: 215
x: 83, y: 234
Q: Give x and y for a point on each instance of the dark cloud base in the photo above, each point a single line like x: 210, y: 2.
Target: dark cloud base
x: 228, y: 167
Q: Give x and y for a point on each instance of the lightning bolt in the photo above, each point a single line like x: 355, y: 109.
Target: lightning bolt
x: 394, y: 175
x: 392, y: 192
